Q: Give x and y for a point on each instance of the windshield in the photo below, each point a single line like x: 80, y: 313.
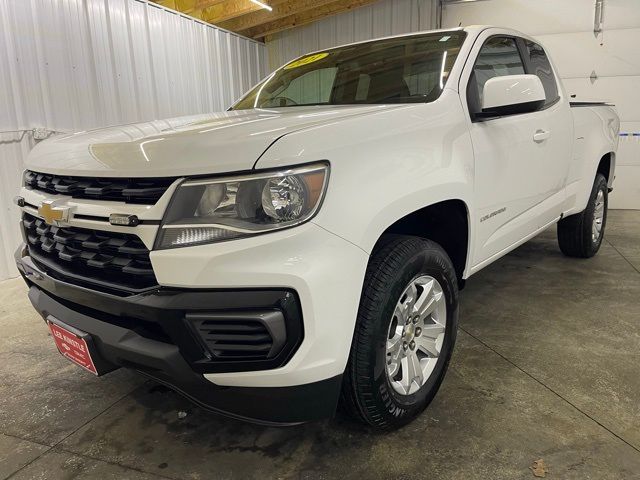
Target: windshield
x: 396, y: 70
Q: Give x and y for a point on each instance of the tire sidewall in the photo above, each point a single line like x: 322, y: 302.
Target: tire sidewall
x: 399, y: 407
x: 600, y: 184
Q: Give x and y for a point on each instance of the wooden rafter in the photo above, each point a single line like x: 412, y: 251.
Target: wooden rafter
x: 202, y: 4
x: 303, y: 18
x: 190, y: 6
x: 228, y: 10
x: 213, y: 11
x: 280, y: 10
x: 251, y: 20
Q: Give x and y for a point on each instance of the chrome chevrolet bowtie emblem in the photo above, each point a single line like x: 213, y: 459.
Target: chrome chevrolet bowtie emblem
x: 53, y: 215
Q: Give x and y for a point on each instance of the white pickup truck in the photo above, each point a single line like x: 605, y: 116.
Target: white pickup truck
x: 306, y: 247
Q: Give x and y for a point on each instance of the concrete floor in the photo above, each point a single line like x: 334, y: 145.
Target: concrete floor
x: 546, y: 367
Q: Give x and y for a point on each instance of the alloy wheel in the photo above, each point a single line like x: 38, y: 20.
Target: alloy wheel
x: 598, y: 217
x: 415, y: 336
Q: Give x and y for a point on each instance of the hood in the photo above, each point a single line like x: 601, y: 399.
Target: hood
x: 202, y: 144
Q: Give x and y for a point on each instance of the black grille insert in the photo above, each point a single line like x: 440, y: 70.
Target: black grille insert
x: 129, y: 190
x: 258, y: 335
x: 108, y: 261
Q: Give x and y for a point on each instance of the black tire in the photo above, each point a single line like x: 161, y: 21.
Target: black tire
x: 367, y: 394
x: 574, y: 233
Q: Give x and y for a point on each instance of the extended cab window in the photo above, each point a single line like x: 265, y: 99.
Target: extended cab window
x: 539, y: 65
x: 396, y: 70
x: 498, y: 56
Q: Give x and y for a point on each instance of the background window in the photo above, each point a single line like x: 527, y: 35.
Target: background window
x: 541, y: 67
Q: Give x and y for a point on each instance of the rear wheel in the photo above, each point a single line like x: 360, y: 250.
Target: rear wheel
x: 581, y: 235
x: 405, y: 332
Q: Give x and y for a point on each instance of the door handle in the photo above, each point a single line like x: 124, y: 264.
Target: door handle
x: 541, y: 136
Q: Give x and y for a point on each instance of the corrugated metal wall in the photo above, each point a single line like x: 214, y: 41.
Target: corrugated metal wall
x: 69, y: 65
x: 383, y: 18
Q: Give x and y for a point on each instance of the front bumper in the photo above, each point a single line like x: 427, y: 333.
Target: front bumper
x: 324, y: 270
x: 314, y: 272
x: 134, y: 346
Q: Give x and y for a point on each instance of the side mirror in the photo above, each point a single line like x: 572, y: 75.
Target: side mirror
x: 511, y: 94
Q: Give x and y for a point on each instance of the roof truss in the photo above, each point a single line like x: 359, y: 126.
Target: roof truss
x: 250, y: 19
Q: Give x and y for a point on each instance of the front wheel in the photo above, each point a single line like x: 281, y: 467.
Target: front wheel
x: 405, y: 332
x: 581, y: 235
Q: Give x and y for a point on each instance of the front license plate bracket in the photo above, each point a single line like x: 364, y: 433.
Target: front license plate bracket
x: 78, y: 347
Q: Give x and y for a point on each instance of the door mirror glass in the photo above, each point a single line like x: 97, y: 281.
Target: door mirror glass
x: 511, y: 94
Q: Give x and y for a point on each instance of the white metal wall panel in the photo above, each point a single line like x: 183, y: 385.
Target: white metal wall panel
x: 69, y: 65
x: 566, y: 30
x: 383, y: 18
x: 13, y: 148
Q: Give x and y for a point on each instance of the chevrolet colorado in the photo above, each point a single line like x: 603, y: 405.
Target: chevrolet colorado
x: 306, y: 247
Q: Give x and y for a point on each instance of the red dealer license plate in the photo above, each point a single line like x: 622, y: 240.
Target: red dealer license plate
x: 72, y: 346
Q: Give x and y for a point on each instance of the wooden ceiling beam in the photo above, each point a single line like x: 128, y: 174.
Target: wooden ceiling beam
x: 281, y: 9
x: 228, y: 10
x: 202, y: 4
x: 189, y: 6
x: 303, y: 18
x: 195, y: 8
x: 251, y: 20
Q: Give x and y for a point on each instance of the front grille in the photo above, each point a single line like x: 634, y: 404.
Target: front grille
x: 241, y: 335
x: 108, y: 261
x: 129, y: 190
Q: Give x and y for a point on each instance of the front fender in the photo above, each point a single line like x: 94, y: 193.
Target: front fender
x: 385, y: 165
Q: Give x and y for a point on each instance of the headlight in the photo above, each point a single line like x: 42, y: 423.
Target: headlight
x: 212, y: 210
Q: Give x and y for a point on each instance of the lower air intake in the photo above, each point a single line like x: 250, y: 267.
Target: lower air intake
x: 256, y: 335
